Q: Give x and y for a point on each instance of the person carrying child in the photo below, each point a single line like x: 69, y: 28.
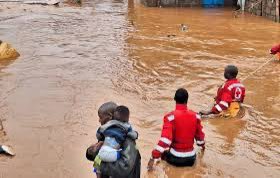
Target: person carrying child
x: 115, y: 154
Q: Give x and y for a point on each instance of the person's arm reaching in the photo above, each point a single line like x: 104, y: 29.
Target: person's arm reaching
x: 165, y: 140
x: 166, y: 137
x: 199, y: 134
x: 226, y: 99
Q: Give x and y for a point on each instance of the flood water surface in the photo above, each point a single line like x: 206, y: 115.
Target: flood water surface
x: 75, y: 58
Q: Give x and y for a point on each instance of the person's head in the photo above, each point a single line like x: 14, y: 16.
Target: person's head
x: 181, y: 96
x: 231, y: 72
x: 0, y: 42
x: 106, y: 111
x: 121, y: 114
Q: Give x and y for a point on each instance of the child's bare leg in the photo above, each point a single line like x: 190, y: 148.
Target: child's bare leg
x: 98, y: 175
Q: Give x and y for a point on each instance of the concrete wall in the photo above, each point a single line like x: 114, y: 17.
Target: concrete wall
x: 149, y: 3
x: 180, y: 3
x: 265, y: 8
x: 171, y: 3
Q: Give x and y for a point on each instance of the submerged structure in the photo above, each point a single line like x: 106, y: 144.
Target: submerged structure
x: 266, y: 8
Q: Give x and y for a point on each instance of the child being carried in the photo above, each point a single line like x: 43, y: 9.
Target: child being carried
x: 113, y: 133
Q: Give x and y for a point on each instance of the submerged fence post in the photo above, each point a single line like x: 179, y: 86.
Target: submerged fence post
x: 277, y: 10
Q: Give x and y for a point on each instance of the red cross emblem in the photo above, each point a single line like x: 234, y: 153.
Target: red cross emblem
x: 238, y: 93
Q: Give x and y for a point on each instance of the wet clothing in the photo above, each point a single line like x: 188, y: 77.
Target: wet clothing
x: 115, y: 129
x: 275, y: 49
x: 113, y: 133
x: 180, y: 128
x: 128, y: 166
x: 178, y: 161
x: 232, y: 90
x: 129, y: 163
x: 110, y: 150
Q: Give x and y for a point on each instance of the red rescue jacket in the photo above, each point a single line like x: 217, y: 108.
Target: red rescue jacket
x: 231, y: 90
x: 275, y: 49
x: 179, y: 130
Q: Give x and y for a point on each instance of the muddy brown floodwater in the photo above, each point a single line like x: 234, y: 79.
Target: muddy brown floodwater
x: 75, y: 58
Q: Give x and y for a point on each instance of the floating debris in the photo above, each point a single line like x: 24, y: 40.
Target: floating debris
x: 7, y: 52
x: 6, y: 150
x: 11, y: 0
x: 184, y: 28
x: 42, y: 2
x: 169, y: 36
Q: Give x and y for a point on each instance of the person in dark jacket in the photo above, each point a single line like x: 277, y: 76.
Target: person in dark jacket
x: 129, y: 164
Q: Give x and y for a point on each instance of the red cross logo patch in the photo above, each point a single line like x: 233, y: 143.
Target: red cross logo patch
x: 238, y: 93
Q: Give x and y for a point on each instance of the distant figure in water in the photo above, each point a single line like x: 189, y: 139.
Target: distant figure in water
x: 236, y: 5
x: 231, y: 91
x: 180, y: 128
x: 184, y: 28
x: 237, y: 8
x: 275, y: 50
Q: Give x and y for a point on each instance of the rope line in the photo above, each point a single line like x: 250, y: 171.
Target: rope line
x: 250, y: 74
x: 269, y: 60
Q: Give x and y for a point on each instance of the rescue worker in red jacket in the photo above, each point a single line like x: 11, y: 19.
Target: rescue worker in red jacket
x: 275, y: 50
x: 231, y: 91
x: 180, y: 128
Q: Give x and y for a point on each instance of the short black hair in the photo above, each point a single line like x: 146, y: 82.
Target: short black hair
x: 122, y: 113
x: 181, y: 96
x: 231, y: 72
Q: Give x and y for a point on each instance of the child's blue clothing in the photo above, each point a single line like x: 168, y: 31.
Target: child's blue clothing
x: 113, y: 133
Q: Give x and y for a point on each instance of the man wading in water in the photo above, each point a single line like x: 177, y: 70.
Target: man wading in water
x: 180, y: 128
x: 275, y: 50
x: 231, y: 91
